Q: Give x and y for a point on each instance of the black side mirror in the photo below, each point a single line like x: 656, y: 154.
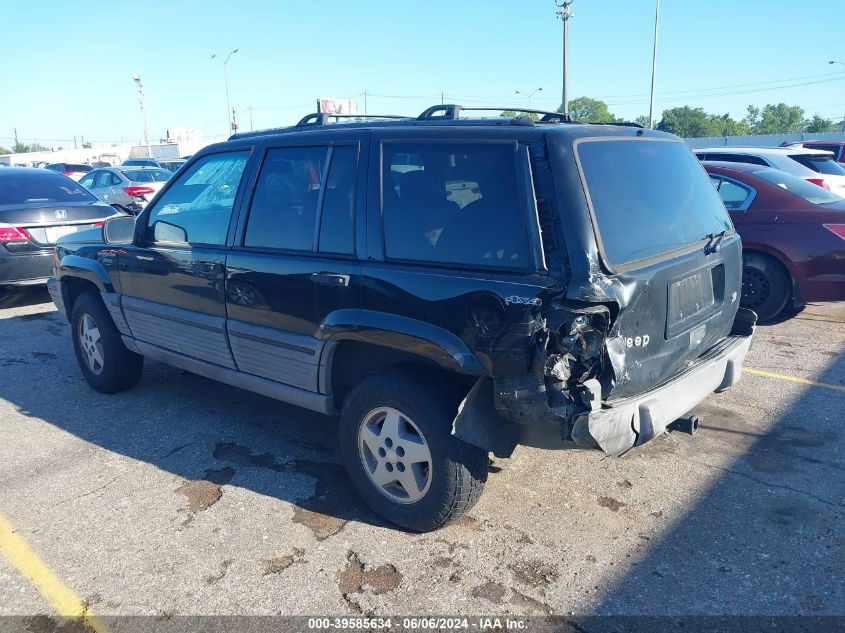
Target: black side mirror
x: 119, y: 229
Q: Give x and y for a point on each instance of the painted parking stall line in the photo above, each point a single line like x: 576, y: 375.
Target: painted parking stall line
x: 21, y: 556
x: 796, y: 379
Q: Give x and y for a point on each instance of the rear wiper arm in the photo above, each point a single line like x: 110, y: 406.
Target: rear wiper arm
x: 714, y: 242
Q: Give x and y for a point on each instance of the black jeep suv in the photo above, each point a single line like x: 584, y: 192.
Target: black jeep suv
x: 451, y: 286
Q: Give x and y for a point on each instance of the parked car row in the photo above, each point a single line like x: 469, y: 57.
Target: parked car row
x: 813, y: 165
x: 127, y: 189
x: 787, y: 204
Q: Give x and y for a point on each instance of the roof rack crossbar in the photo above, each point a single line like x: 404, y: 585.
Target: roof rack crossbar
x: 323, y: 118
x: 452, y: 111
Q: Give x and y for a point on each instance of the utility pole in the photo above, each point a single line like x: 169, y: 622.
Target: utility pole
x: 250, y: 118
x: 565, y: 13
x: 442, y: 97
x: 137, y: 79
x: 654, y: 65
x: 234, y: 123
x: 365, y: 103
x: 16, y: 139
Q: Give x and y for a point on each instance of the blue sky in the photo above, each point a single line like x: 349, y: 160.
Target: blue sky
x: 66, y: 67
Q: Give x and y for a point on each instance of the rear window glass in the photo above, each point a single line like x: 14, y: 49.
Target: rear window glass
x: 819, y: 164
x: 648, y: 198
x: 41, y: 186
x: 454, y: 203
x: 810, y: 192
x: 147, y: 175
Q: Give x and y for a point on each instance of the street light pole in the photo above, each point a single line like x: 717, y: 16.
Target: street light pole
x: 654, y: 65
x: 565, y: 14
x: 226, y: 79
x: 529, y: 95
x: 137, y: 79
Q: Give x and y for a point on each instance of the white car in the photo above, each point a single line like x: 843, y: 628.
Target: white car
x: 815, y: 166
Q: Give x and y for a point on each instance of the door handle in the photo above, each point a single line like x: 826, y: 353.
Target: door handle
x: 330, y: 279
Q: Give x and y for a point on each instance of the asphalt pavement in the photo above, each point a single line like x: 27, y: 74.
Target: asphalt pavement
x: 184, y: 496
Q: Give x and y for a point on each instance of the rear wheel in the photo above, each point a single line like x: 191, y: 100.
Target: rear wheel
x: 106, y: 363
x: 396, y: 442
x: 766, y: 285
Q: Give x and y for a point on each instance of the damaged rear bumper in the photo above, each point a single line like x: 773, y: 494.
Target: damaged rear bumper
x: 620, y: 425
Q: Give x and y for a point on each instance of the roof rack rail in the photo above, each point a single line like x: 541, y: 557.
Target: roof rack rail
x: 322, y: 118
x: 621, y: 123
x: 452, y: 111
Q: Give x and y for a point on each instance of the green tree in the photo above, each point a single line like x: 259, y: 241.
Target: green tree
x: 510, y: 114
x: 23, y: 148
x: 819, y: 124
x: 775, y: 119
x: 86, y: 146
x: 688, y: 122
x: 3, y: 150
x: 590, y: 111
x: 730, y: 127
x: 642, y: 120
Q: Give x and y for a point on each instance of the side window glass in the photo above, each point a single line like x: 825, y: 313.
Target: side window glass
x: 336, y: 220
x: 102, y: 179
x: 715, y: 182
x: 197, y: 207
x: 284, y: 207
x: 87, y: 181
x: 456, y: 203
x: 732, y: 194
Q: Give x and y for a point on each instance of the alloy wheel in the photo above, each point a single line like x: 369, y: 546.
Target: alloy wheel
x: 395, y: 455
x: 91, y: 344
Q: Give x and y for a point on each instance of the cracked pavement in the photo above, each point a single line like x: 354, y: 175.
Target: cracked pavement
x: 184, y: 496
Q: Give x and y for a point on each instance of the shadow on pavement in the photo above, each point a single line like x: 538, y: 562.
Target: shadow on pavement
x: 22, y: 296
x: 203, y: 431
x: 768, y: 538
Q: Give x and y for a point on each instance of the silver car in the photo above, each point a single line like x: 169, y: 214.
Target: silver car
x: 127, y: 189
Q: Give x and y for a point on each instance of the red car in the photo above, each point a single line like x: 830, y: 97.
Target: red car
x: 793, y: 236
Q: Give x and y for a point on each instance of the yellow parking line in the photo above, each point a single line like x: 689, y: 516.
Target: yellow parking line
x: 800, y: 381
x: 27, y: 562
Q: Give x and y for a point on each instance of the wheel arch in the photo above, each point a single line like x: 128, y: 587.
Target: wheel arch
x: 364, y: 342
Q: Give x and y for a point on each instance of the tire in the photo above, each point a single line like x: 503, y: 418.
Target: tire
x: 441, y: 492
x: 766, y: 285
x: 106, y: 363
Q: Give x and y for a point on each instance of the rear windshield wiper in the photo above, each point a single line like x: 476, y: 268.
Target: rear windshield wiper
x: 714, y: 242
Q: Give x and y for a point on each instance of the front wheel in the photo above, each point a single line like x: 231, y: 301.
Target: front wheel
x: 396, y: 442
x: 106, y: 363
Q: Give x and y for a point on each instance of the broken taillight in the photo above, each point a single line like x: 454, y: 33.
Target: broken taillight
x: 837, y: 229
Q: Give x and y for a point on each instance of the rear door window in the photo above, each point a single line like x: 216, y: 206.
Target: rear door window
x: 337, y: 217
x: 283, y: 212
x: 454, y: 203
x: 648, y: 198
x: 733, y: 195
x: 197, y: 208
